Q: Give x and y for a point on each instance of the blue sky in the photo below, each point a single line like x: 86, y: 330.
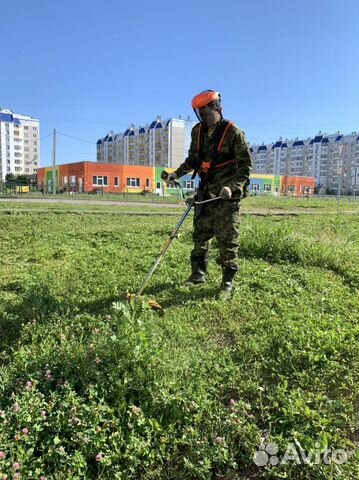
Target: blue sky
x: 284, y: 68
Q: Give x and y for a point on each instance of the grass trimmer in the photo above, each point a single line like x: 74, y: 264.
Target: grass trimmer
x: 190, y: 203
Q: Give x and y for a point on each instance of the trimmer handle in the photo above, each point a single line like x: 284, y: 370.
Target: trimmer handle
x: 164, y: 176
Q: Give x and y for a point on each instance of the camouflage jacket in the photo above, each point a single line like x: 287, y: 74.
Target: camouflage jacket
x: 234, y: 175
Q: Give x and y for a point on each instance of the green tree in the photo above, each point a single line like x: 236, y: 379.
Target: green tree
x: 10, y: 180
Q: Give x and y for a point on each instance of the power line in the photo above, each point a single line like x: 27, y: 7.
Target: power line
x: 76, y: 138
x: 46, y: 136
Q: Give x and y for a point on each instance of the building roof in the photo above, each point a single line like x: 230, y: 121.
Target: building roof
x: 339, y: 137
x: 153, y: 124
x: 325, y: 140
x: 142, y: 130
x: 284, y: 145
x: 17, y: 121
x: 318, y: 139
x: 277, y: 144
x: 261, y: 148
x: 99, y: 141
x: 159, y: 125
x: 298, y: 143
x: 131, y: 132
x: 126, y: 132
x: 6, y: 117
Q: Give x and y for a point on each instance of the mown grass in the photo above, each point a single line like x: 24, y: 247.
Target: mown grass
x: 112, y: 390
x: 263, y: 201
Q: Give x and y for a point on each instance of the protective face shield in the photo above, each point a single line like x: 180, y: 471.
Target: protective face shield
x: 207, y: 107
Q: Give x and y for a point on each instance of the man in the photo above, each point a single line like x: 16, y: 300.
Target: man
x: 220, y: 155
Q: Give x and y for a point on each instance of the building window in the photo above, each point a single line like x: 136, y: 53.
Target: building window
x: 291, y: 188
x: 101, y: 181
x: 255, y: 187
x: 188, y: 184
x: 64, y: 180
x: 147, y: 183
x: 306, y: 189
x: 267, y: 187
x: 117, y: 182
x: 133, y: 182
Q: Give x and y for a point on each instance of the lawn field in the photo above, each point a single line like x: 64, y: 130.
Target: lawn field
x: 252, y: 203
x: 91, y: 387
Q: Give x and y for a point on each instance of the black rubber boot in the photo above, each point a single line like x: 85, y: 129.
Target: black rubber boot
x: 227, y: 286
x: 199, y: 270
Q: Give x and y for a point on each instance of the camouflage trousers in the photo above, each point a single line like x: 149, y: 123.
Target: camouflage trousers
x: 220, y: 220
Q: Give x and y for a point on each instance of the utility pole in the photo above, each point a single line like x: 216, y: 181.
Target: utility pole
x: 54, y: 182
x: 340, y: 150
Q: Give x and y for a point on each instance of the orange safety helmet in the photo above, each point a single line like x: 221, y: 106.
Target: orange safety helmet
x: 207, y: 98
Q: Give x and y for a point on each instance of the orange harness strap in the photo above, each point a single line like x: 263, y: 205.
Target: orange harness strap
x: 223, y: 136
x: 199, y: 137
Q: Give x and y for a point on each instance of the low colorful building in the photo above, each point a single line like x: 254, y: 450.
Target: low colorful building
x: 92, y: 177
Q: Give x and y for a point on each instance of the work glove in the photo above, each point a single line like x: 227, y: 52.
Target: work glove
x: 168, y: 177
x: 190, y: 201
x: 172, y: 176
x: 225, y: 193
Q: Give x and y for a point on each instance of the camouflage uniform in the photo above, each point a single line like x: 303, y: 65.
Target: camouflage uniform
x: 219, y: 219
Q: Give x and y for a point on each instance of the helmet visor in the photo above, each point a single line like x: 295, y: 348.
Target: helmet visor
x: 208, y: 115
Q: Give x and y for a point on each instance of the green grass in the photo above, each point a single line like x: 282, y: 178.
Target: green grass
x: 260, y: 202
x: 191, y: 394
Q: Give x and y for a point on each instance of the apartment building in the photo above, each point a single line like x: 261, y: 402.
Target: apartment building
x: 333, y: 160
x: 19, y: 144
x: 162, y: 143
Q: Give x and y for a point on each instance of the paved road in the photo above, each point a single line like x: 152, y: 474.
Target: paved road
x: 104, y: 203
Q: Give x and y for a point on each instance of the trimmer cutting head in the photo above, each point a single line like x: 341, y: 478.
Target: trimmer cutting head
x: 133, y: 297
